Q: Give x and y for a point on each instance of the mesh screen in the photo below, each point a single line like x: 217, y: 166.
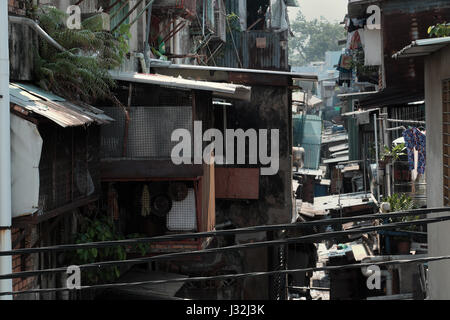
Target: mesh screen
x: 149, y: 131
x: 182, y: 216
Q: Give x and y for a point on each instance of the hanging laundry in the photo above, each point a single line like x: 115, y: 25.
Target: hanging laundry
x: 345, y: 63
x: 415, y: 141
x: 355, y: 42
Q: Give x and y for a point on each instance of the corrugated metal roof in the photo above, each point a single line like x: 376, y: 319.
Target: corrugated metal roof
x: 422, y: 47
x: 336, y: 202
x: 226, y: 90
x: 334, y: 138
x: 294, y: 75
x: 336, y: 160
x: 55, y: 108
x: 339, y: 147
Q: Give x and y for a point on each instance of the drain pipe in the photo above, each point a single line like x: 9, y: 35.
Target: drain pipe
x: 5, y: 153
x: 35, y: 26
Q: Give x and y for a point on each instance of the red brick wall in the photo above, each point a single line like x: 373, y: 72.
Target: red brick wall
x: 17, y: 7
x: 22, y: 263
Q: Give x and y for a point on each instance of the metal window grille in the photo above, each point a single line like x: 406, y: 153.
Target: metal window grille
x: 149, y: 131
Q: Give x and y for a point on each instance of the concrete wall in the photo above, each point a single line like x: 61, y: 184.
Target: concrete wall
x: 437, y: 68
x: 267, y: 110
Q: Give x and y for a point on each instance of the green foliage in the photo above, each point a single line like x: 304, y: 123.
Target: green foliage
x: 80, y: 73
x: 234, y: 22
x: 97, y: 230
x: 439, y: 30
x: 312, y: 39
x: 402, y: 202
x: 94, y: 230
x: 394, y: 153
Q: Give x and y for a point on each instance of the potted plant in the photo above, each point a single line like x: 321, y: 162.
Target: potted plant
x: 391, y: 155
x: 402, y: 202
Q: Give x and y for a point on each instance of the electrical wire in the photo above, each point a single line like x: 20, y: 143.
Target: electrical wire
x: 198, y: 235
x: 172, y: 256
x: 239, y: 275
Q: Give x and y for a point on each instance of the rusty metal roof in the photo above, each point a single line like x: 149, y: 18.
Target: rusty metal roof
x: 223, y: 90
x: 55, y: 108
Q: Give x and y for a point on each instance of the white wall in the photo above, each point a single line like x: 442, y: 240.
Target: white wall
x: 437, y: 68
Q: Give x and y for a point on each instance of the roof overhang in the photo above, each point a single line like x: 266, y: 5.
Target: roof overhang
x: 359, y: 112
x: 212, y: 69
x: 31, y: 99
x: 219, y: 89
x: 356, y: 94
x: 422, y: 47
x: 392, y: 96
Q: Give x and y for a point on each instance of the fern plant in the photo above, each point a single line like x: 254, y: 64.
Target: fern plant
x: 81, y: 72
x: 402, y: 202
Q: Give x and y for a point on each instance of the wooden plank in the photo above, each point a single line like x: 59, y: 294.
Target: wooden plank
x: 237, y: 183
x: 142, y: 170
x: 247, y: 78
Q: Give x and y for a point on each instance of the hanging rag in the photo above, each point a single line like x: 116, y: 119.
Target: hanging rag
x: 355, y: 42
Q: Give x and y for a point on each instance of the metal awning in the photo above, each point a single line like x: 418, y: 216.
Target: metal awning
x: 293, y: 75
x: 422, y: 47
x: 334, y: 138
x: 356, y: 94
x: 391, y: 97
x: 219, y: 89
x: 64, y: 113
x: 359, y: 112
x: 336, y: 160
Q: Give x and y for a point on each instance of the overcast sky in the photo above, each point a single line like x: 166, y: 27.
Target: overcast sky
x: 332, y: 10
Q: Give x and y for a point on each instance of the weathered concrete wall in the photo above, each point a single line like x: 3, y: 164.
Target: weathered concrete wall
x: 437, y: 68
x: 22, y: 45
x: 268, y: 109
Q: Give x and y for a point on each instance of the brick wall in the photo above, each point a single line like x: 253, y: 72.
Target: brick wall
x: 23, y: 263
x: 17, y: 7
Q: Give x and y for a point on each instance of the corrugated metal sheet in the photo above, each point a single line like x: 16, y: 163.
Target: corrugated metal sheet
x: 218, y: 89
x: 308, y: 135
x: 55, y: 108
x: 244, y: 50
x: 274, y: 54
x: 422, y: 47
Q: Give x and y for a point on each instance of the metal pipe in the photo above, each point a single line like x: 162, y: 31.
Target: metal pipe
x: 5, y: 152
x: 147, y: 36
x: 147, y: 7
x: 37, y: 28
x: 375, y: 128
x: 388, y: 144
x: 126, y: 16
